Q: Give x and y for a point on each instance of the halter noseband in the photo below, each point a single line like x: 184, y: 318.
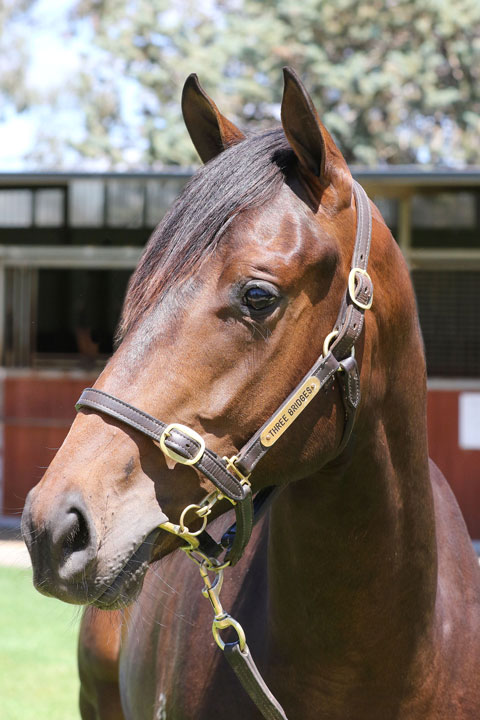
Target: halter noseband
x: 231, y: 475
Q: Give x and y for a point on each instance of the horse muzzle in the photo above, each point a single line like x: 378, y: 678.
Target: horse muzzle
x: 73, y: 563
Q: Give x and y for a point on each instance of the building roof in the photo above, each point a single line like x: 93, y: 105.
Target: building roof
x: 391, y: 176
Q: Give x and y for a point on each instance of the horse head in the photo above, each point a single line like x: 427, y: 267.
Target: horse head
x: 229, y: 306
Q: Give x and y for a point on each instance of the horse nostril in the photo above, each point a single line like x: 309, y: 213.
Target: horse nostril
x: 77, y: 536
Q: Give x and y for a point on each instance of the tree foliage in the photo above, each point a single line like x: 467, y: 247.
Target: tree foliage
x: 395, y: 81
x: 14, y: 91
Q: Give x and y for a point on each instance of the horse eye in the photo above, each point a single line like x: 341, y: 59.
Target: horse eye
x: 258, y: 298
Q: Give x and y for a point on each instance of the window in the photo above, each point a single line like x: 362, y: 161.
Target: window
x: 57, y: 317
x: 444, y: 210
x: 87, y: 203
x: 16, y: 210
x: 160, y: 195
x: 125, y: 203
x: 450, y: 321
x: 77, y: 314
x: 49, y: 208
x: 446, y: 220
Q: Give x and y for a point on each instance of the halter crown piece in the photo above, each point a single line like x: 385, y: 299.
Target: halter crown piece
x: 231, y: 475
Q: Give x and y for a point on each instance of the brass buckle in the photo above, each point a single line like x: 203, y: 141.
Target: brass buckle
x: 189, y: 433
x: 328, y: 341
x: 351, y: 288
x: 231, y: 467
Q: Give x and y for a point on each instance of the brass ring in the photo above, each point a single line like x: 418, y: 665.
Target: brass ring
x: 327, y: 342
x: 226, y: 622
x: 184, y: 528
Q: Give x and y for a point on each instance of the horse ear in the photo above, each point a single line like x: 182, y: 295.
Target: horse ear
x: 309, y: 139
x: 210, y: 131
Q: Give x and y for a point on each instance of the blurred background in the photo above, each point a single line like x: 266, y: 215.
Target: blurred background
x: 93, y: 150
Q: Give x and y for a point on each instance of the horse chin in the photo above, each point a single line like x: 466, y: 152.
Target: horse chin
x: 126, y: 585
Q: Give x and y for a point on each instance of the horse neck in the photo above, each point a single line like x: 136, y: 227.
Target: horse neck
x: 352, y: 548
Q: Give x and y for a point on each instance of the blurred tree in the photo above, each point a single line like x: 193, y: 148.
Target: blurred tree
x: 396, y: 81
x: 15, y: 95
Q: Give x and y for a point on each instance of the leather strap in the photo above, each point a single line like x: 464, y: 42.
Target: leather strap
x: 209, y: 463
x: 349, y: 381
x: 349, y: 326
x: 261, y: 502
x: 253, y: 451
x: 350, y: 319
x: 244, y: 525
x: 247, y: 672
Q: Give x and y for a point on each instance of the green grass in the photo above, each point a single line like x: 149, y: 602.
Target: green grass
x: 38, y: 638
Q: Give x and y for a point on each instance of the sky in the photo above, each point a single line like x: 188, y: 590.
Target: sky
x: 55, y: 55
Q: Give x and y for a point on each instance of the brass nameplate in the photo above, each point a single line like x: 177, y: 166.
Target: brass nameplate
x: 290, y: 411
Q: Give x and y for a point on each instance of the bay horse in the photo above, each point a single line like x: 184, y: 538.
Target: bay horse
x: 359, y: 591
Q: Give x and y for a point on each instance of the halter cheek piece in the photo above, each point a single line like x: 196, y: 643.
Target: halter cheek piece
x: 231, y: 475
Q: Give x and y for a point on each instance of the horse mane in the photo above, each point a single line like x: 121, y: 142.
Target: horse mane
x: 244, y: 176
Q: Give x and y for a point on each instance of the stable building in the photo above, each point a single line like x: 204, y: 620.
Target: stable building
x: 69, y: 242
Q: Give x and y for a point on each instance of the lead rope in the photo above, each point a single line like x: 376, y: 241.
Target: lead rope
x: 237, y: 653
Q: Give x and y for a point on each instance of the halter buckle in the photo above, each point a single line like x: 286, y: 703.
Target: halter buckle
x: 351, y: 288
x: 328, y: 341
x: 190, y: 434
x: 231, y: 467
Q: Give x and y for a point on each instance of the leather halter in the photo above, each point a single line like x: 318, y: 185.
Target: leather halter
x: 231, y: 475
x: 336, y: 361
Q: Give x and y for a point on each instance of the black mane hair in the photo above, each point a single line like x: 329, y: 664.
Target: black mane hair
x: 244, y: 176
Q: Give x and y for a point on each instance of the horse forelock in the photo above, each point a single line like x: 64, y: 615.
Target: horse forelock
x: 243, y: 177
